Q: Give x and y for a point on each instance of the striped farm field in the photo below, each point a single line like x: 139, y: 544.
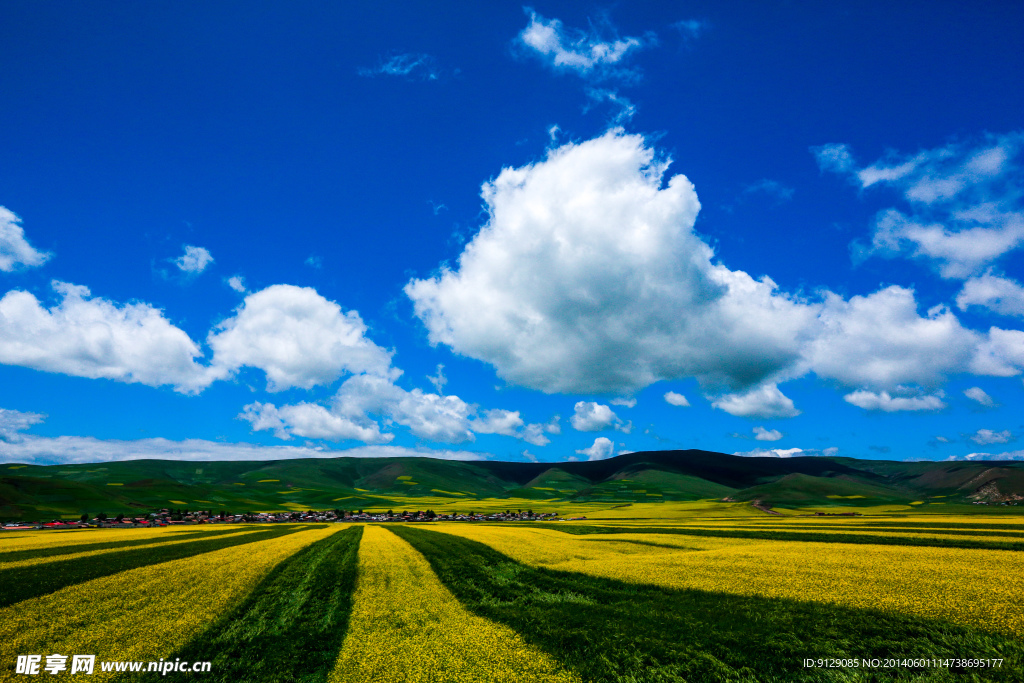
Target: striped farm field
x: 408, y: 627
x: 599, y: 601
x: 41, y: 556
x: 147, y: 612
x: 946, y: 583
x: 627, y: 613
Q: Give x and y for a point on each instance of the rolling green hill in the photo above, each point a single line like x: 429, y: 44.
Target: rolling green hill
x: 36, y: 492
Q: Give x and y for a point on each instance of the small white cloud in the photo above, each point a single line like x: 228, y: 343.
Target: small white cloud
x: 594, y: 417
x: 15, y: 251
x: 438, y: 379
x: 765, y: 401
x: 529, y: 456
x: 13, y: 422
x: 237, y: 283
x: 624, y: 402
x: 869, y: 400
x: 194, y: 260
x: 314, y: 261
x: 674, y: 399
x: 498, y: 421
x: 987, y: 436
x: 409, y: 65
x: 762, y: 434
x: 835, y: 158
x: 1011, y: 455
x: 602, y: 448
x: 978, y: 395
x: 998, y: 294
x: 788, y: 453
x: 585, y: 53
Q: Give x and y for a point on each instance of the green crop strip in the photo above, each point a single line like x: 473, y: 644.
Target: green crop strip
x: 57, y: 551
x: 771, y: 535
x: 22, y: 583
x: 610, y: 631
x: 290, y: 628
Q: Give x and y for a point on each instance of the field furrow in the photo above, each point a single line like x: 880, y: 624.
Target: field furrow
x: 406, y: 627
x: 28, y: 581
x: 79, y: 553
x: 145, y: 613
x: 93, y: 540
x: 304, y: 603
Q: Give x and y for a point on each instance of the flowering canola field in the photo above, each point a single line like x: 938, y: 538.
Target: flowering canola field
x: 407, y: 627
x: 614, y: 600
x: 968, y: 586
x: 144, y: 613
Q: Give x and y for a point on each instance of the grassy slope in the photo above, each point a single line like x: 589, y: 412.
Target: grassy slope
x: 39, y: 492
x: 612, y: 631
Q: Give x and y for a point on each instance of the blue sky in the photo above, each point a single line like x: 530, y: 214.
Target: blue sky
x: 259, y: 230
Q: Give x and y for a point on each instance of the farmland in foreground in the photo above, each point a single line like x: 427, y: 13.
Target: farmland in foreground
x: 687, y: 596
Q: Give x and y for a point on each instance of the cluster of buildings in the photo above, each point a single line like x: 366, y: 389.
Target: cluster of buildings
x: 169, y: 517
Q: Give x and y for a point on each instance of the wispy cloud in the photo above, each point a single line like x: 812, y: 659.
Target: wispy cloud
x: 194, y: 261
x: 978, y: 395
x: 412, y: 65
x: 623, y: 108
x: 788, y: 452
x: 770, y: 188
x: 963, y: 201
x: 84, y: 449
x: 598, y: 53
x: 691, y: 29
x: 15, y: 251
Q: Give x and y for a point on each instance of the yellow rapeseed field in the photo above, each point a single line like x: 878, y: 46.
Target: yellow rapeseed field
x: 34, y: 540
x: 146, y: 613
x: 168, y: 539
x: 406, y: 627
x: 995, y: 536
x: 968, y: 586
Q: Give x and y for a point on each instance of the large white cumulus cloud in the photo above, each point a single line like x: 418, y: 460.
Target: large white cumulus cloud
x: 588, y: 278
x: 93, y: 337
x: 880, y: 341
x: 297, y: 337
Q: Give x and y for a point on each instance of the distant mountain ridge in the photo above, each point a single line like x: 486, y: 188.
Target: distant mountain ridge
x: 351, y: 483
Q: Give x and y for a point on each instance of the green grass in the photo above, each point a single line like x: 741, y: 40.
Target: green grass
x: 22, y: 583
x: 290, y: 628
x: 610, y: 631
